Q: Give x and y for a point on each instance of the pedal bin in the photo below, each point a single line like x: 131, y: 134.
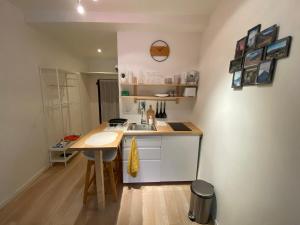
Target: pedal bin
x: 202, y: 194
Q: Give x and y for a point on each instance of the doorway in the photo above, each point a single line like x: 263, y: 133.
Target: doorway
x: 108, y: 99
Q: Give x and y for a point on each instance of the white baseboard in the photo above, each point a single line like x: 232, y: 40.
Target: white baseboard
x: 23, y: 187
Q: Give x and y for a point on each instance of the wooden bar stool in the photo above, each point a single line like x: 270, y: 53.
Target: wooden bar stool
x: 109, y: 156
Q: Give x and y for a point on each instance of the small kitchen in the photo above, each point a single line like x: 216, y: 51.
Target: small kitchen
x: 152, y: 133
x: 139, y: 112
x: 130, y: 123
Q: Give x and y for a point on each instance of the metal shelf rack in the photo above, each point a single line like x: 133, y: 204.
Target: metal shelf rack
x: 62, y: 110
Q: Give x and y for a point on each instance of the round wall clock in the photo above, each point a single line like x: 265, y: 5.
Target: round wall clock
x: 160, y: 51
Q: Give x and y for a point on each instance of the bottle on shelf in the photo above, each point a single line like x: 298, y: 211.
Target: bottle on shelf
x: 151, y: 120
x: 150, y: 114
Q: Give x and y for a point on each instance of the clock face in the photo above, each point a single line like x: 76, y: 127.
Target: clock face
x: 160, y: 51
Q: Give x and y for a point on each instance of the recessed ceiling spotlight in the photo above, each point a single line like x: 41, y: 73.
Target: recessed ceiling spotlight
x: 99, y: 50
x: 80, y: 8
x: 95, y: 0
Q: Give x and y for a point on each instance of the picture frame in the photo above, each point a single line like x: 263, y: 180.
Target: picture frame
x: 237, y: 79
x: 249, y: 76
x: 267, y: 36
x: 253, y: 57
x: 240, y: 48
x: 251, y: 37
x: 279, y: 49
x: 256, y: 56
x: 266, y: 72
x: 235, y: 65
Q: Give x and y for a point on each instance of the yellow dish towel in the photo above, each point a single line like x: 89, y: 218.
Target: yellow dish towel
x: 133, y: 159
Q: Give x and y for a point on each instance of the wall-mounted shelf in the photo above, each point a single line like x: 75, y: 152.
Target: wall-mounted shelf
x: 99, y: 73
x: 154, y: 98
x: 178, y: 90
x: 162, y: 85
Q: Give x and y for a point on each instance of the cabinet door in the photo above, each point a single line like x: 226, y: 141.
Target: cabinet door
x: 149, y: 148
x: 144, y: 153
x: 179, y: 157
x: 149, y: 172
x: 143, y: 141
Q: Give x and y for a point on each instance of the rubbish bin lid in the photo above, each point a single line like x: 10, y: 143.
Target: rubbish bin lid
x: 202, y: 188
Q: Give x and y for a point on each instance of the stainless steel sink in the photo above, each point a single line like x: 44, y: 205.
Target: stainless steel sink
x: 134, y: 126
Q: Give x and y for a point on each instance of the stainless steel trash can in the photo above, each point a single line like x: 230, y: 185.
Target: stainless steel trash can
x: 202, y: 194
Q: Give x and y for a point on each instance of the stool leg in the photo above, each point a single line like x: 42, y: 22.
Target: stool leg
x: 87, y: 181
x: 93, y: 180
x: 112, y: 180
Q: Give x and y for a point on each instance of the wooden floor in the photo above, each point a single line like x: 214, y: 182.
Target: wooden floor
x: 55, y: 198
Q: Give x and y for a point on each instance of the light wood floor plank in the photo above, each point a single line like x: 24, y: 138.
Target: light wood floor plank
x: 55, y: 198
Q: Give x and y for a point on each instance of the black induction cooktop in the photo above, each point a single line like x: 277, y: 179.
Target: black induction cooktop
x: 179, y: 127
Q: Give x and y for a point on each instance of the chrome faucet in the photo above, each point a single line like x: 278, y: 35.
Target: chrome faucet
x: 143, y: 121
x: 143, y: 109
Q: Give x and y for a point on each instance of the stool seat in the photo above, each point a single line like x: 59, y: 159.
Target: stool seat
x: 109, y: 167
x: 108, y: 155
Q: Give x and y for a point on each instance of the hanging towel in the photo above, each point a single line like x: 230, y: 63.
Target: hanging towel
x: 133, y: 159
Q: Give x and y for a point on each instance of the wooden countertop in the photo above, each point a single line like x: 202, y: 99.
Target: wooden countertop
x: 80, y: 145
x: 167, y: 130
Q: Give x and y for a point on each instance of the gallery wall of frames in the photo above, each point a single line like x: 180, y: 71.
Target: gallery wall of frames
x: 256, y: 56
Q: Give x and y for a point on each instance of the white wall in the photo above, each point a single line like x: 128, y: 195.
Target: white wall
x: 134, y: 55
x: 22, y: 139
x: 251, y: 143
x: 101, y: 64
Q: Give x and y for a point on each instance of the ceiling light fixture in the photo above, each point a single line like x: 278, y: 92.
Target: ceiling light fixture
x: 99, y: 50
x: 80, y: 8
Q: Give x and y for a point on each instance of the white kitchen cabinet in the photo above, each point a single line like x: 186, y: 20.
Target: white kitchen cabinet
x: 163, y: 158
x: 149, y: 148
x: 179, y: 158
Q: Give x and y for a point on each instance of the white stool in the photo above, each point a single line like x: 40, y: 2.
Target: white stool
x: 108, y: 158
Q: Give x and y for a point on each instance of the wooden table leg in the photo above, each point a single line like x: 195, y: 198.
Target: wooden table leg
x: 99, y: 179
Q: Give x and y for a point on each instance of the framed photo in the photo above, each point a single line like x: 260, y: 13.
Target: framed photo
x: 236, y: 65
x: 249, y: 75
x: 237, y: 79
x: 254, y: 57
x: 240, y: 47
x: 279, y: 49
x: 267, y: 36
x: 265, y: 72
x: 251, y: 38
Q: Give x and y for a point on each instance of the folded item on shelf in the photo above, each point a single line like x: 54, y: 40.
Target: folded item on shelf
x: 71, y: 137
x: 61, y: 144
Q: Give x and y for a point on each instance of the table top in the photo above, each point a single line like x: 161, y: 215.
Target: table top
x: 80, y: 145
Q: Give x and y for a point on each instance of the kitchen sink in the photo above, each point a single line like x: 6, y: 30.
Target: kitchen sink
x: 141, y: 127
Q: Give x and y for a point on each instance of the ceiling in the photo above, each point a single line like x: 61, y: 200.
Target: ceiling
x: 199, y: 7
x: 83, y: 39
x: 97, y: 28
